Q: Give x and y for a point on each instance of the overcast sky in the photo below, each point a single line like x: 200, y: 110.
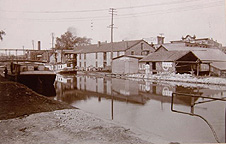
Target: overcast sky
x: 27, y: 20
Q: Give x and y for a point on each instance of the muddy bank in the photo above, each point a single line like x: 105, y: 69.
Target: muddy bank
x: 16, y: 100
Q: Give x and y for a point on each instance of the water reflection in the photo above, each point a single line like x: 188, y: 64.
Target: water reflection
x: 147, y: 105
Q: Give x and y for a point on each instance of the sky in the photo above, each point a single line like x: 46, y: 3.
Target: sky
x: 25, y: 21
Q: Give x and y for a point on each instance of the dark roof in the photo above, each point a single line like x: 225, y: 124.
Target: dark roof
x: 106, y: 47
x: 204, y: 54
x: 131, y: 56
x: 164, y: 56
x: 219, y: 65
x: 210, y: 55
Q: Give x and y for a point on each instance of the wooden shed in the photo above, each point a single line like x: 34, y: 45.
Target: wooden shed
x: 171, y: 62
x: 218, y: 69
x: 126, y: 64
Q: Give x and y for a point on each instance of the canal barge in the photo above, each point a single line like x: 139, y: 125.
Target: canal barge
x: 32, y: 74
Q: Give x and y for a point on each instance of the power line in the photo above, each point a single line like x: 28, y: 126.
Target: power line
x: 146, y: 13
x: 178, y: 9
x: 98, y: 10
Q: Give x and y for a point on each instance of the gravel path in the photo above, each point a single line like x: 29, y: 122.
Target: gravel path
x: 64, y: 126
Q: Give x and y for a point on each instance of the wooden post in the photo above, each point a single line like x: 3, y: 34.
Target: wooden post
x: 197, y: 69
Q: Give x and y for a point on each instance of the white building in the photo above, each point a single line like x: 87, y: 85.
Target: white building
x: 99, y: 55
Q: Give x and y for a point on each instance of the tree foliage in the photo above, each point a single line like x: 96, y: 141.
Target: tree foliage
x: 1, y: 34
x: 69, y: 41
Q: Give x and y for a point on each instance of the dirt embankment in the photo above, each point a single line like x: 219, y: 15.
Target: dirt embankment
x: 17, y: 100
x: 27, y: 117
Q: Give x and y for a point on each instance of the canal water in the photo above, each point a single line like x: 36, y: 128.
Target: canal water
x: 149, y: 106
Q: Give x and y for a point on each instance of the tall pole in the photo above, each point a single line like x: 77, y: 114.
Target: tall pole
x: 112, y: 11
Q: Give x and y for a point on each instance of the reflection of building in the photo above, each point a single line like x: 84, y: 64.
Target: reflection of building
x: 82, y: 87
x: 125, y: 87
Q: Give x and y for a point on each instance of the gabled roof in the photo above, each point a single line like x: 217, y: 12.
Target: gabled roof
x: 204, y: 54
x: 131, y: 56
x: 107, y: 47
x: 178, y: 47
x: 169, y: 56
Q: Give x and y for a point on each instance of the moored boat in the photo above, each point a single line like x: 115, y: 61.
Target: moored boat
x: 34, y: 75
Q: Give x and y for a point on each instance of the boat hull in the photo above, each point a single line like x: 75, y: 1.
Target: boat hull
x: 42, y: 84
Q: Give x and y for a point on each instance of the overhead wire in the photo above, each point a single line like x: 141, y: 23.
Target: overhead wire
x: 129, y: 15
x: 96, y: 10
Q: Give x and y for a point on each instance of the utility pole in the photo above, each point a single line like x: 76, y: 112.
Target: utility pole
x: 52, y: 40
x: 33, y: 44
x: 112, y: 11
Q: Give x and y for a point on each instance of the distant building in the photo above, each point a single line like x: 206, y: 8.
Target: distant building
x: 192, y: 41
x: 99, y: 55
x: 223, y: 49
x: 61, y: 59
x: 39, y: 55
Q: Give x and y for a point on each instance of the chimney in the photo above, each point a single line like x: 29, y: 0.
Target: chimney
x: 126, y: 44
x: 160, y: 39
x: 39, y: 45
x: 98, y: 44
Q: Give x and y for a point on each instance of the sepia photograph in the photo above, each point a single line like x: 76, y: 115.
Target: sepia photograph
x: 112, y: 71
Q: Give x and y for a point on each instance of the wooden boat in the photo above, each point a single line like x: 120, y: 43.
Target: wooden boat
x: 34, y: 75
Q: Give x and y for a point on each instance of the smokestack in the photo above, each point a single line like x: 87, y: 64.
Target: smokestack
x: 160, y: 39
x: 39, y: 45
x: 98, y: 44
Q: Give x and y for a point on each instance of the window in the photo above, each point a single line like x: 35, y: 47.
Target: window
x: 84, y: 64
x: 80, y: 56
x: 154, y: 65
x: 118, y: 54
x: 84, y: 56
x: 105, y: 55
x: 96, y: 64
x: 96, y: 56
x: 80, y: 64
x: 132, y: 52
x: 142, y: 46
